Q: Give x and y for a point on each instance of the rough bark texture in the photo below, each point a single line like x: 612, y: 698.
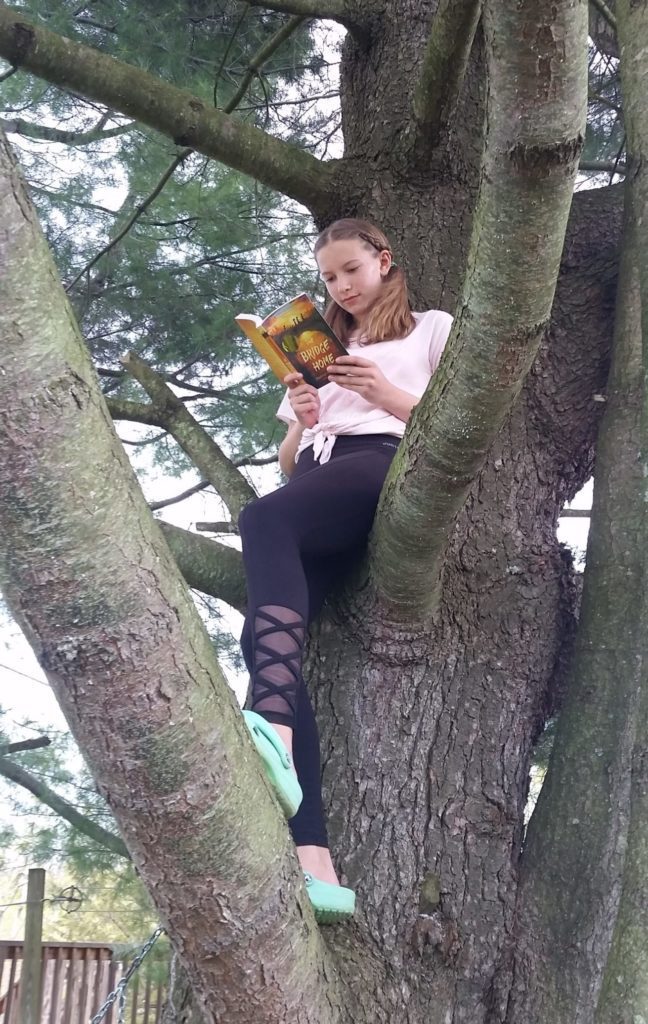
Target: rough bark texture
x: 575, y: 843
x: 624, y: 994
x: 536, y: 126
x: 89, y: 578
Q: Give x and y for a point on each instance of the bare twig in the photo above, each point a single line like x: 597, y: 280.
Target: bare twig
x: 139, y: 210
x: 261, y: 56
x: 29, y: 130
x: 267, y: 461
x: 227, y: 52
x: 156, y: 505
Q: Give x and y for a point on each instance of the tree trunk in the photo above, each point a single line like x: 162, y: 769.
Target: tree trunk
x: 428, y: 726
x: 90, y: 579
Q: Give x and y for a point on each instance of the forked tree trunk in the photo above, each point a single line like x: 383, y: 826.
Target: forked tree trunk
x: 428, y: 726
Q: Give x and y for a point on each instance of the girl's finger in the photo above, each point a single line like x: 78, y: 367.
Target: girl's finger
x: 349, y: 372
x: 349, y: 386
x: 353, y: 361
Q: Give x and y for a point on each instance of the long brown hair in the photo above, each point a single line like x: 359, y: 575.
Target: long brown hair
x: 391, y: 315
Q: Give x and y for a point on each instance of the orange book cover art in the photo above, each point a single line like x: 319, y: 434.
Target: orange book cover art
x: 295, y: 336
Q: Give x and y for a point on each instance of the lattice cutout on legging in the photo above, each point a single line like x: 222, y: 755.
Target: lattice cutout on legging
x: 278, y: 645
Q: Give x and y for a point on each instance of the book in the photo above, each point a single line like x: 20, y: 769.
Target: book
x: 295, y: 337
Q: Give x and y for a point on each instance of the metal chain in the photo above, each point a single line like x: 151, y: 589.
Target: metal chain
x: 119, y: 993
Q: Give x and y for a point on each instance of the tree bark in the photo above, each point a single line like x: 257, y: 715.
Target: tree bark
x: 427, y: 726
x: 624, y: 993
x: 573, y: 854
x: 89, y: 578
x: 536, y: 126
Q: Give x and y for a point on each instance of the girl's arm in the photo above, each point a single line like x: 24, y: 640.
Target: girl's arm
x: 288, y: 447
x: 398, y: 403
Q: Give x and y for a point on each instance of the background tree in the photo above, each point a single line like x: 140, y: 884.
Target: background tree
x: 184, y: 243
x: 438, y: 666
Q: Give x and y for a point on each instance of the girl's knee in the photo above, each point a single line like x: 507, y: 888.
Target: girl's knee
x: 249, y: 517
x: 260, y: 515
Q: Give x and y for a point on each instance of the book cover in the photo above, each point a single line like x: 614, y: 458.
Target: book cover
x: 295, y: 337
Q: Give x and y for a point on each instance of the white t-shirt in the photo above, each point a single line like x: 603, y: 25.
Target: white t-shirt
x: 408, y: 363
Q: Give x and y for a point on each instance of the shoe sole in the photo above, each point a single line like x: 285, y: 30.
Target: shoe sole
x: 290, y: 804
x: 332, y: 916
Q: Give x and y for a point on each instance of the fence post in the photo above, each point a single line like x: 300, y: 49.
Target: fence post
x: 30, y: 977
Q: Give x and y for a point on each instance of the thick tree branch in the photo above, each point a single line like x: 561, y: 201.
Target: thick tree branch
x: 343, y: 11
x: 192, y: 438
x: 444, y: 66
x: 208, y: 566
x: 174, y: 112
x: 605, y: 13
x: 17, y: 126
x: 604, y: 166
x: 530, y: 165
x: 62, y: 807
x: 91, y: 581
x: 570, y: 872
x: 136, y: 412
x: 35, y: 744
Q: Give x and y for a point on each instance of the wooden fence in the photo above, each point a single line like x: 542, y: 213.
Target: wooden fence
x: 76, y: 978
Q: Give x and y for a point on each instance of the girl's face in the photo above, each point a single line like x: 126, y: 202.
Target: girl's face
x: 354, y: 274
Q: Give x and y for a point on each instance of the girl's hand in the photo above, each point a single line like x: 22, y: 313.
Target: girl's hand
x: 303, y: 398
x: 363, y: 377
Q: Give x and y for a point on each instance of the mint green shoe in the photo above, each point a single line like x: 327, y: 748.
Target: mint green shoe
x: 331, y: 903
x: 276, y: 761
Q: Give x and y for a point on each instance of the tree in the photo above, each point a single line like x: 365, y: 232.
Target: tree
x: 437, y: 666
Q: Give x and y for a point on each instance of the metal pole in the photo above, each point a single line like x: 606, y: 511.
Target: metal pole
x: 30, y: 977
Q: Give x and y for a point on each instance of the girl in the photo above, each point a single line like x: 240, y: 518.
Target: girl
x: 299, y: 540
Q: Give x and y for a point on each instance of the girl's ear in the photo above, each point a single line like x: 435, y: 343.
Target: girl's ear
x: 385, y: 262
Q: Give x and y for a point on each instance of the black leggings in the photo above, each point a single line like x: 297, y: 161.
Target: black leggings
x: 296, y: 543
